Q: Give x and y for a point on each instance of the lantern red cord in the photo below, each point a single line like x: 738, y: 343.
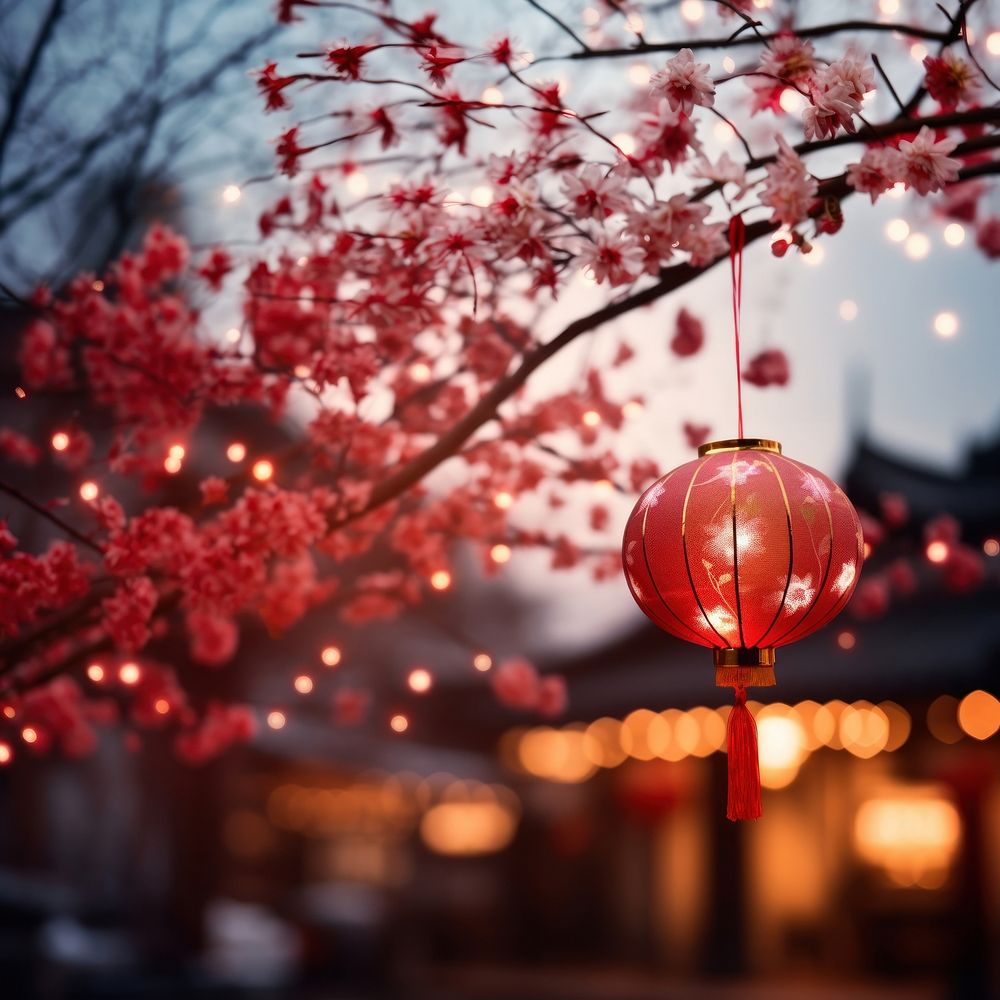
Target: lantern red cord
x: 743, y: 550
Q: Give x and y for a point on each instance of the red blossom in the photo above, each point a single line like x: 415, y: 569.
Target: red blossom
x: 767, y: 368
x: 271, y: 85
x: 689, y: 335
x: 346, y: 60
x: 215, y: 268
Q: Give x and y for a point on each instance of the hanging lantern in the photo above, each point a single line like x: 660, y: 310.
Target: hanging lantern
x: 743, y: 550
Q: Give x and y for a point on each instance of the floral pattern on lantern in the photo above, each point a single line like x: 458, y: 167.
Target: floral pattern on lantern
x: 743, y: 550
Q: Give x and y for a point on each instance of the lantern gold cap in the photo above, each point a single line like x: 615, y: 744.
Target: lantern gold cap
x: 739, y: 444
x: 744, y: 667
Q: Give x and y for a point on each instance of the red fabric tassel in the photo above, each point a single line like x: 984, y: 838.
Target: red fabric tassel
x: 744, y: 767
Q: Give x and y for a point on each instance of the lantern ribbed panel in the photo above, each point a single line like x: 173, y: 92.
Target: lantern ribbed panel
x: 742, y: 549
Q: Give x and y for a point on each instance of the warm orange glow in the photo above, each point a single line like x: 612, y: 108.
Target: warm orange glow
x: 897, y: 230
x: 826, y: 724
x: 781, y: 743
x: 177, y: 451
x: 979, y: 715
x: 303, y: 684
x: 399, y: 723
x: 20, y: 392
x: 644, y: 734
x: 236, y: 452
x: 162, y: 706
x: 172, y: 464
x: 441, y: 579
x: 330, y: 656
x: 791, y: 100
x: 937, y: 552
x: 503, y: 500
x: 500, y: 553
x: 95, y: 673
x: 466, y: 829
x: 129, y: 673
x: 711, y: 731
x: 60, y: 441
x: 942, y: 719
x: 911, y: 832
x: 420, y: 372
x: 276, y: 720
x: 482, y: 662
x: 591, y: 418
x: 633, y: 408
x: 89, y: 490
x: 5, y: 753
x: 420, y: 680
x: 846, y: 640
x: 555, y: 754
x: 97, y: 285
x: 262, y: 470
x: 602, y: 743
x: 899, y: 724
x: 864, y: 729
x: 29, y: 734
x: 9, y: 711
x: 991, y: 547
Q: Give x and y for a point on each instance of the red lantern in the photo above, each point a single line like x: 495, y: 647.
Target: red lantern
x: 742, y: 550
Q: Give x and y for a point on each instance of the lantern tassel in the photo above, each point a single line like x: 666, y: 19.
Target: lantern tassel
x: 744, y: 767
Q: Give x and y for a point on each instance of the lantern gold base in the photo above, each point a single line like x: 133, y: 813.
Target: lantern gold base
x: 739, y: 444
x: 744, y: 667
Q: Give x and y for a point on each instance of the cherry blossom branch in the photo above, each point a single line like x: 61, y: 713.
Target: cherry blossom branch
x: 815, y: 31
x: 560, y: 23
x: 55, y: 519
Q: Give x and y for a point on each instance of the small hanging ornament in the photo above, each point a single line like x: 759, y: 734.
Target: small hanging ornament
x: 742, y: 550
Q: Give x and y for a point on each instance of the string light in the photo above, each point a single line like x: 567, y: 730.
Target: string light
x: 946, y: 325
x: 728, y: 64
x: 918, y: 51
x: 236, y: 452
x: 262, y: 470
x: 993, y: 43
x: 791, y: 100
x: 420, y: 680
x: 5, y: 753
x: 591, y: 418
x: 420, y: 372
x: 89, y: 490
x: 937, y: 552
x: 441, y: 579
x: 481, y: 196
x: 29, y: 734
x: 897, y: 230
x: 898, y: 190
x: 95, y: 673
x: 724, y: 132
x: 635, y: 24
x: 888, y: 6
x: 302, y: 371
x: 231, y: 193
x: 491, y: 95
x: 172, y: 464
x: 640, y: 74
x: 176, y: 451
x: 233, y: 335
x: 9, y: 711
x: 624, y: 142
x: 330, y: 656
x: 848, y: 310
x: 503, y: 500
x: 357, y: 183
x: 500, y: 553
x: 815, y: 257
x: 979, y: 715
x: 918, y: 246
x: 276, y: 720
x: 846, y: 640
x: 399, y: 723
x: 161, y: 706
x: 482, y: 662
x: 954, y: 234
x: 692, y: 10
x: 60, y: 441
x: 633, y: 408
x: 20, y: 393
x: 303, y: 684
x: 97, y: 285
x: 129, y: 673
x: 991, y: 547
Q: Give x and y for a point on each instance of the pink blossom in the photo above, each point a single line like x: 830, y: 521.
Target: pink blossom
x: 950, y: 80
x: 613, y: 259
x: 595, y: 194
x: 689, y: 335
x: 925, y: 162
x: 767, y: 368
x: 988, y: 236
x: 666, y: 136
x: 790, y: 189
x: 128, y: 611
x: 879, y: 169
x: 684, y: 83
x: 213, y: 638
x: 830, y: 107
